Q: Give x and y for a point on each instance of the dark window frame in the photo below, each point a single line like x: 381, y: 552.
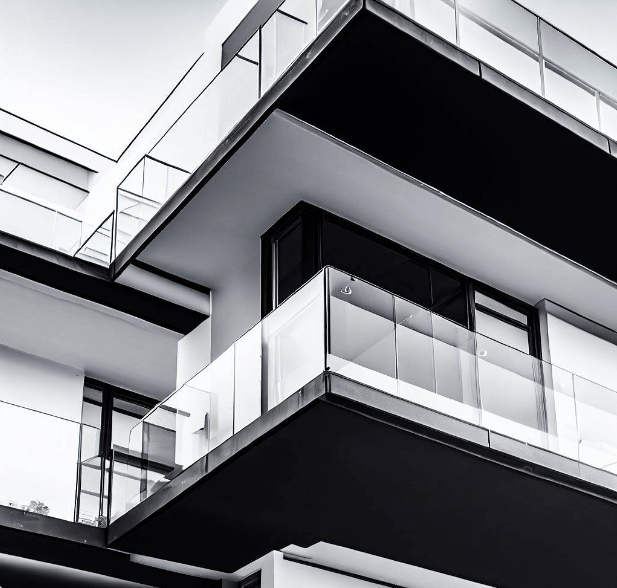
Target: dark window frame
x: 313, y: 251
x: 109, y: 393
x: 533, y: 318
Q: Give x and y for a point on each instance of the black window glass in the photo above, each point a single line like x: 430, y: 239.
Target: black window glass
x: 454, y: 309
x: 375, y: 262
x: 443, y: 286
x: 288, y: 259
x: 124, y: 417
x: 92, y: 407
x: 449, y: 297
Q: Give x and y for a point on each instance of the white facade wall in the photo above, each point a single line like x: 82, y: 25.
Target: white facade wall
x: 236, y: 304
x: 194, y: 352
x: 582, y: 353
x: 39, y: 452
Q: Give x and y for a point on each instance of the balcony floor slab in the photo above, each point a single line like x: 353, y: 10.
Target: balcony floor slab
x: 346, y: 469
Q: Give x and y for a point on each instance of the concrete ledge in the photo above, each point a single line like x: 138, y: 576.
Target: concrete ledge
x: 399, y: 407
x: 217, y: 457
x: 533, y: 455
x: 401, y: 22
x: 599, y: 477
x: 48, y: 526
x: 351, y: 397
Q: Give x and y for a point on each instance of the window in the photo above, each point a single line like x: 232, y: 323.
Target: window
x: 359, y: 253
x: 307, y: 239
x: 108, y: 414
x: 507, y: 323
x: 288, y: 261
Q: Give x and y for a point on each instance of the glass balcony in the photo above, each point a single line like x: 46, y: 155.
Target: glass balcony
x: 340, y: 324
x: 96, y: 248
x: 39, y: 220
x: 52, y: 466
x: 35, y: 220
x: 527, y: 49
x: 216, y: 111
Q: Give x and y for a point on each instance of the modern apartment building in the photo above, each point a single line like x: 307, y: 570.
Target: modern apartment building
x: 343, y: 314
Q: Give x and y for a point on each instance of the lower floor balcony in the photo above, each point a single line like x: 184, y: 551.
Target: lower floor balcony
x: 352, y: 416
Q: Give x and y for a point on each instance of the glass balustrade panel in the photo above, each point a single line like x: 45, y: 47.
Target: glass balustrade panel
x: 511, y: 392
x: 250, y: 50
x: 305, y: 12
x: 28, y: 220
x: 361, y: 332
x: 123, y: 469
x: 578, y: 61
x: 503, y: 35
x: 282, y: 39
x: 326, y: 11
x: 161, y: 180
x: 293, y: 342
x: 134, y: 213
x: 211, y: 116
x: 573, y: 74
x: 608, y: 117
x: 92, y: 479
x: 561, y: 425
x: 455, y: 370
x: 67, y: 234
x: 526, y: 399
x: 135, y: 466
x: 570, y: 94
x: 436, y: 15
x: 194, y: 410
x: 415, y: 354
x: 159, y: 446
x: 247, y: 399
x: 97, y: 247
x: 596, y: 409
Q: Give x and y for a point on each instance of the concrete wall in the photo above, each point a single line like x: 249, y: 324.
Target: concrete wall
x: 194, y: 352
x: 236, y: 304
x: 288, y: 574
x: 39, y: 452
x: 39, y: 384
x: 582, y: 353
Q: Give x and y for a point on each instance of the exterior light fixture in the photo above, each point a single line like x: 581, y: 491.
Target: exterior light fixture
x: 482, y: 353
x: 346, y: 290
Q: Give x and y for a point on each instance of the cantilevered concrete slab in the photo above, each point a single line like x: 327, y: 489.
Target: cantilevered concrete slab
x: 339, y: 463
x: 287, y: 160
x: 435, y: 113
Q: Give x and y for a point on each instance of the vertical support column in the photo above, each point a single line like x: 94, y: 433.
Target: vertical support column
x: 78, y: 477
x: 326, y: 283
x: 541, y: 58
x: 598, y: 110
x: 456, y: 23
x: 114, y: 237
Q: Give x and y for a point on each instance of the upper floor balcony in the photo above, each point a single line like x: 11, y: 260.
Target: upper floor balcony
x: 499, y: 43
x: 502, y: 43
x: 334, y: 400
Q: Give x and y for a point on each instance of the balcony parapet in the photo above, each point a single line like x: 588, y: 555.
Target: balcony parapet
x: 460, y: 383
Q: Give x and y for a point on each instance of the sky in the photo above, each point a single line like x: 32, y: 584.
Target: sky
x: 95, y: 70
